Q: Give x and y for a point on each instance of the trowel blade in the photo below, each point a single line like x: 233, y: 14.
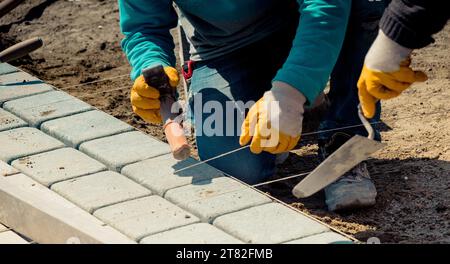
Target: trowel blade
x: 354, y: 151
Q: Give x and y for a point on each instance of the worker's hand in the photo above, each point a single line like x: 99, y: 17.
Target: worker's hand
x: 145, y: 99
x: 274, y: 123
x: 386, y: 73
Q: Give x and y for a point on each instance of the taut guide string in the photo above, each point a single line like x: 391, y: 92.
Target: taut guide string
x: 241, y: 148
x: 226, y: 153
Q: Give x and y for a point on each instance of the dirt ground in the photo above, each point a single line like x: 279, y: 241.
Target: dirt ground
x: 412, y: 174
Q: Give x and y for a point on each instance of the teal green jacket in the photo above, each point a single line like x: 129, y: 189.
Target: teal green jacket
x: 217, y: 27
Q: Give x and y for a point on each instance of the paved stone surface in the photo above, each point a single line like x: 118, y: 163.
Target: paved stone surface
x: 126, y: 202
x: 192, y: 234
x: 211, y: 199
x: 20, y: 84
x: 76, y: 129
x: 9, y: 237
x: 26, y: 141
x: 44, y: 216
x: 145, y: 216
x: 324, y: 238
x: 42, y: 107
x: 58, y: 165
x: 123, y: 149
x: 269, y: 224
x: 10, y: 121
x: 98, y: 190
x: 3, y: 228
x: 157, y: 174
x: 6, y: 68
x: 6, y: 170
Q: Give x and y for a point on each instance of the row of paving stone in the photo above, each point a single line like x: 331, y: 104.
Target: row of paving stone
x: 127, y: 179
x: 8, y: 236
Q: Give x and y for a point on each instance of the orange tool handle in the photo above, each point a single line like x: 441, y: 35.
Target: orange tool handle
x: 173, y: 129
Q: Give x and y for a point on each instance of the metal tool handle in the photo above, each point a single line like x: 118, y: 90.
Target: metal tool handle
x: 7, y: 5
x: 156, y: 77
x: 366, y: 123
x: 20, y: 49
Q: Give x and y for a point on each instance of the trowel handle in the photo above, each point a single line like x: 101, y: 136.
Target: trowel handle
x: 20, y: 49
x: 8, y: 5
x: 366, y: 123
x: 157, y: 78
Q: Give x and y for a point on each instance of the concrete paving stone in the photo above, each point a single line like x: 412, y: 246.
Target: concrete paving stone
x: 145, y: 216
x: 192, y: 234
x: 216, y: 197
x: 6, y: 68
x: 123, y: 149
x: 20, y: 84
x: 58, y: 165
x: 158, y: 175
x: 324, y: 238
x: 42, y: 107
x: 3, y: 228
x: 50, y: 218
x: 7, y: 170
x: 9, y: 237
x: 76, y: 129
x: 10, y: 121
x: 269, y: 224
x: 25, y: 141
x: 98, y: 190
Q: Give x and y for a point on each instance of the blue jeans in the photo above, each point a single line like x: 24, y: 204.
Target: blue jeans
x: 245, y: 75
x: 343, y: 95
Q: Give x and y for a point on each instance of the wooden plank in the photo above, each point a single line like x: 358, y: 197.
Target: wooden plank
x: 45, y: 217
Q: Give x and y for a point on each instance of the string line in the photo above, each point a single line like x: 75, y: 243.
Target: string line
x: 308, y: 134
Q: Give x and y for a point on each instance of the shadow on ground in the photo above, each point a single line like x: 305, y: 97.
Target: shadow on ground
x: 407, y: 209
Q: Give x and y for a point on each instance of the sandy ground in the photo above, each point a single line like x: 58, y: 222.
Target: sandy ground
x: 412, y: 174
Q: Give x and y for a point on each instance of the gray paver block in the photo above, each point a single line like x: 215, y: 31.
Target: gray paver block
x: 270, y: 223
x: 10, y: 121
x: 25, y: 141
x: 6, y: 68
x: 46, y: 217
x: 6, y: 170
x: 123, y: 149
x: 211, y: 199
x: 36, y: 109
x: 76, y: 129
x: 3, y: 228
x: 9, y: 237
x: 98, y: 190
x: 192, y: 234
x: 20, y: 84
x: 145, y: 216
x: 324, y: 238
x: 58, y: 165
x: 157, y: 174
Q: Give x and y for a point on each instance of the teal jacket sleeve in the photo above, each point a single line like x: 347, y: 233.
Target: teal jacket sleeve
x: 146, y: 26
x: 316, y: 46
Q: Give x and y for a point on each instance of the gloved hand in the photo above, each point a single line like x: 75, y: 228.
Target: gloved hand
x: 274, y: 123
x: 386, y: 73
x: 145, y: 99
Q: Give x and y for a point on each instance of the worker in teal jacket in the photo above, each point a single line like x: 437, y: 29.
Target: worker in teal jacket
x: 279, y: 54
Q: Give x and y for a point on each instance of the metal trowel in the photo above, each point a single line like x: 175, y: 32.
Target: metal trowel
x: 354, y: 151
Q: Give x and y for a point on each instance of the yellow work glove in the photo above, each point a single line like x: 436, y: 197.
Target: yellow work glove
x: 386, y: 73
x: 145, y: 99
x: 274, y: 123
